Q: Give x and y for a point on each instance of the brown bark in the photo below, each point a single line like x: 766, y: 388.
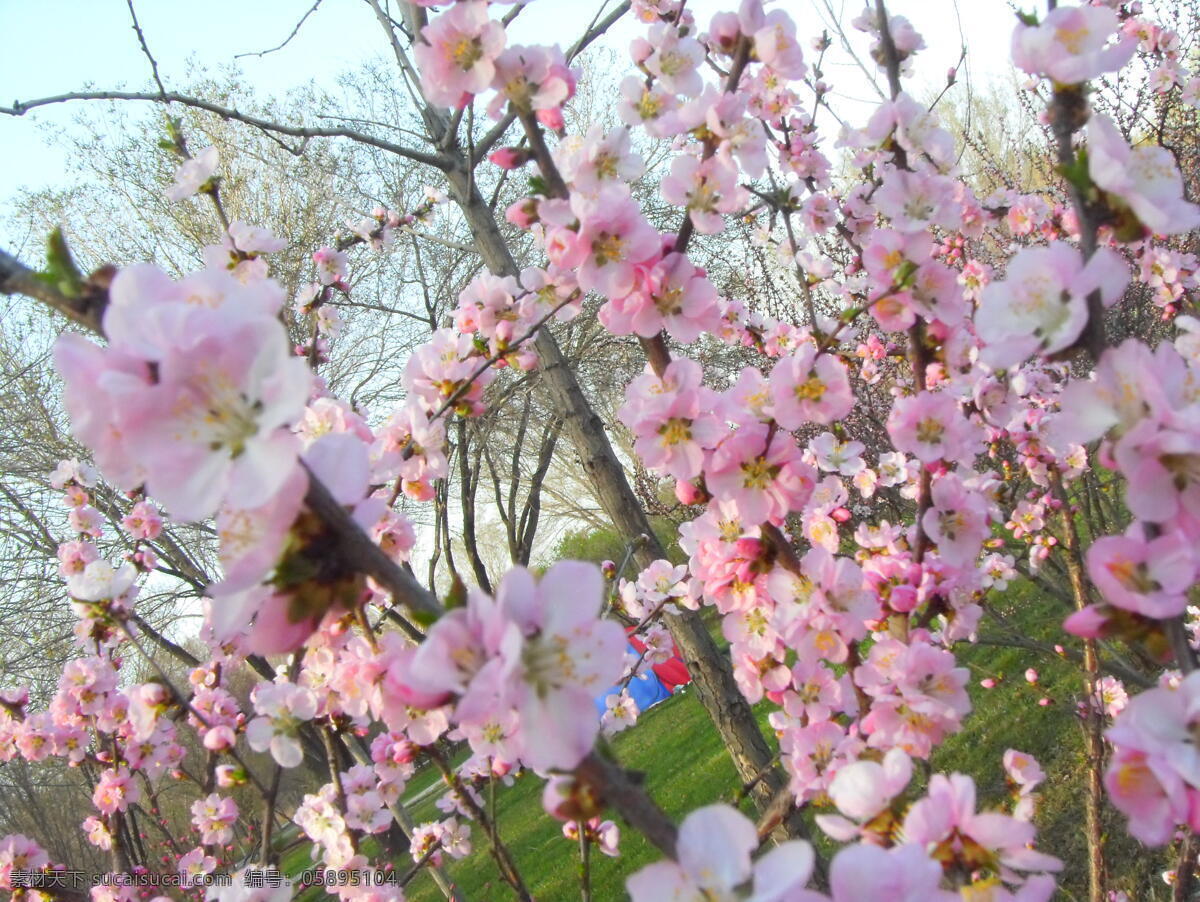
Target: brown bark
x: 468, y: 482
x: 1093, y: 722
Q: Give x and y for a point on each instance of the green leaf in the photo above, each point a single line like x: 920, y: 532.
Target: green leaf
x: 1076, y: 173
x: 1029, y: 19
x: 61, y: 271
x: 457, y: 596
x: 422, y: 618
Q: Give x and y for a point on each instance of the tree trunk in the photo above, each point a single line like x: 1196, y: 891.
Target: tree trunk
x: 1093, y: 736
x: 711, y: 671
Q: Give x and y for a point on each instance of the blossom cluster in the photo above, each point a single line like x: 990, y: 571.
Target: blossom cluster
x: 921, y: 370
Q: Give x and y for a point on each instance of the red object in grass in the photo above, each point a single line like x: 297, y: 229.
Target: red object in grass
x: 672, y: 672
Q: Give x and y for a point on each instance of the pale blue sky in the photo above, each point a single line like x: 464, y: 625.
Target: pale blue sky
x: 53, y: 46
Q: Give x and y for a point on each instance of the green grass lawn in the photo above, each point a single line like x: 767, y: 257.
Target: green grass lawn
x: 685, y: 767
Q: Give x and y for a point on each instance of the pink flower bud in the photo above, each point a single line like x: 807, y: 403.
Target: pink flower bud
x: 903, y: 599
x: 552, y: 119
x: 228, y: 776
x: 840, y: 514
x: 988, y: 683
x: 1031, y: 675
x: 219, y: 738
x: 1044, y: 702
x: 688, y: 493
x: 509, y: 157
x: 748, y: 547
x: 523, y: 213
x: 1087, y: 624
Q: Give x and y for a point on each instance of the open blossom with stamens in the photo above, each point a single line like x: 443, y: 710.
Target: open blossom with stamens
x: 240, y: 251
x: 411, y: 447
x: 214, y: 817
x: 837, y: 455
x: 225, y: 387
x: 1147, y: 178
x: 661, y: 581
x: 620, y: 712
x: 1111, y: 696
x: 1132, y: 385
x: 914, y: 201
x: 558, y: 657
x: 193, y: 173
x: 217, y: 416
x: 447, y: 366
x: 671, y: 419
x: 532, y: 79
x: 918, y: 695
x: 741, y: 138
x: 457, y: 53
x: 706, y: 189
x: 672, y: 57
x: 144, y: 521
x: 194, y: 865
x: 614, y: 237
x: 332, y: 266
x: 1154, y: 774
x: 538, y: 649
x: 601, y: 159
x: 931, y: 427
x: 760, y: 473
x: 947, y: 826
x: 672, y: 294
x: 809, y: 387
x: 73, y: 557
x: 651, y: 106
x: 1149, y: 577
x: 1041, y: 305
x: 282, y: 708
x: 957, y: 521
x: 1071, y: 45
x: 115, y: 791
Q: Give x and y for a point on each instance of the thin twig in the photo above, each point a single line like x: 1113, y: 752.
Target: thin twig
x: 146, y: 49
x: 287, y: 40
x: 504, y: 860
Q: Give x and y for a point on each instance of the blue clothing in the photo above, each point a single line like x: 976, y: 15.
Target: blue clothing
x: 645, y: 689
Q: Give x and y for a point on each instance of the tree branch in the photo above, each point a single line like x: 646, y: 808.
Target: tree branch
x: 20, y: 108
